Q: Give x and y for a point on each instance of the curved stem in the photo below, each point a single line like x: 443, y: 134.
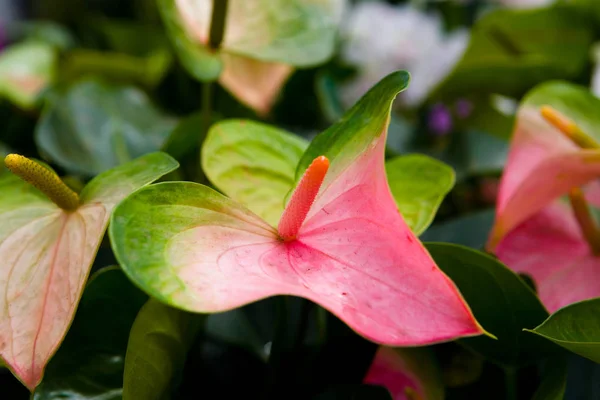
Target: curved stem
x: 585, y: 219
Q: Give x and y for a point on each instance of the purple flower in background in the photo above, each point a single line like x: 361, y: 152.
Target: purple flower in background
x: 463, y: 108
x: 440, y: 120
x: 3, y: 38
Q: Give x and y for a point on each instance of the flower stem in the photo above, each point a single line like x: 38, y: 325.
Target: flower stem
x: 44, y: 180
x: 585, y: 220
x: 217, y: 23
x: 510, y: 375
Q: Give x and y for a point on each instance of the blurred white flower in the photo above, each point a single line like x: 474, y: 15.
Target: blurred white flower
x: 380, y: 38
x: 525, y: 3
x: 595, y: 84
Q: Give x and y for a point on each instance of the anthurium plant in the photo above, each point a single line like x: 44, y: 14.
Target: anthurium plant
x: 243, y: 199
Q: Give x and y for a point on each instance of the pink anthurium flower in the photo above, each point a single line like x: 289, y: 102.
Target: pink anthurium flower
x: 259, y: 49
x: 543, y: 164
x: 553, y: 241
x: 340, y: 242
x: 49, y: 237
x: 551, y: 248
x: 407, y: 373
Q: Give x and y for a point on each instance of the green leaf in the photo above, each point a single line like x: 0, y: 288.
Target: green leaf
x: 501, y: 302
x: 197, y: 59
x: 470, y: 230
x: 554, y: 381
x: 575, y: 327
x: 364, y: 122
x: 26, y: 69
x: 512, y: 50
x: 160, y: 339
x: 576, y: 102
x: 118, y: 67
x: 112, y: 186
x: 47, y: 32
x: 418, y: 184
x: 252, y: 163
x: 186, y: 136
x: 92, y: 127
x: 90, y: 362
x: 296, y: 32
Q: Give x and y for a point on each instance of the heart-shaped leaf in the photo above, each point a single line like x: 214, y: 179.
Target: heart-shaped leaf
x: 160, y: 339
x: 93, y: 127
x: 46, y: 255
x: 253, y: 163
x: 512, y: 50
x: 340, y: 241
x: 25, y: 71
x: 419, y: 184
x: 488, y: 286
x: 90, y: 362
x: 576, y: 328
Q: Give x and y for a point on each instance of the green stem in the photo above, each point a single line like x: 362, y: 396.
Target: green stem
x: 217, y: 23
x: 512, y: 392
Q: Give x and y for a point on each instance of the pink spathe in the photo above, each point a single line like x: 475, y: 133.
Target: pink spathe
x: 551, y: 249
x: 542, y: 165
x: 354, y: 255
x: 390, y: 371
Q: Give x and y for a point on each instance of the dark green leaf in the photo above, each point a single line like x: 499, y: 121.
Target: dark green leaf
x: 186, y: 136
x: 470, y: 230
x: 554, y: 381
x: 512, y: 50
x: 160, y: 339
x: 575, y: 327
x: 89, y: 363
x: 501, y: 302
x: 92, y: 127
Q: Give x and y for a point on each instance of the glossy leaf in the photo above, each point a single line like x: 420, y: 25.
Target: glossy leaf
x: 195, y: 249
x: 93, y: 127
x: 46, y: 255
x: 513, y: 50
x: 418, y: 184
x: 407, y: 372
x: 469, y: 230
x: 554, y: 381
x: 576, y: 328
x: 252, y: 163
x: 488, y: 286
x: 26, y: 69
x: 90, y: 362
x: 160, y: 339
x: 542, y: 163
